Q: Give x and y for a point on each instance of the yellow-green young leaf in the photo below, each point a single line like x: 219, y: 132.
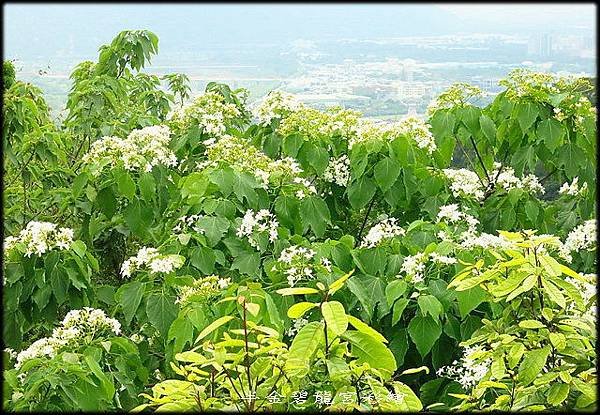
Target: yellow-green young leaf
x: 303, y: 347
x: 568, y: 271
x: 509, y: 284
x: 459, y: 396
x: 252, y: 308
x: 514, y: 354
x: 365, y: 328
x: 532, y: 365
x: 298, y: 310
x: 335, y: 317
x: 297, y: 291
x: 492, y: 384
x: 213, y: 326
x: 410, y: 401
x: 527, y: 285
x: 416, y: 370
x: 557, y: 394
x: 368, y: 350
x: 554, y: 293
x: 498, y: 368
x: 531, y: 324
x: 550, y: 265
x: 339, y: 283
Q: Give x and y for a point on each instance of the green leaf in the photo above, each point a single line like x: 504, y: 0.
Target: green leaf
x: 531, y: 324
x: 369, y: 350
x: 386, y: 172
x: 361, y: 192
x: 315, y: 214
x: 532, y: 365
x: 79, y: 248
x: 297, y: 291
x: 398, y: 309
x: 424, y: 332
x: 558, y: 393
x: 531, y: 210
x: 106, y: 201
x: 365, y: 328
x: 194, y: 185
x: 468, y: 300
x: 161, y: 311
x: 213, y: 227
x: 203, y: 258
x: 147, y: 186
x: 430, y: 305
x: 394, y: 290
x: 125, y: 184
x: 303, y: 347
x: 79, y: 183
x: 335, y: 317
x: 247, y: 263
x: 369, y: 291
x: 129, y: 296
x: 105, y: 382
x: 212, y: 327
x: 488, y: 127
x: 527, y: 113
x: 551, y: 132
x: 299, y: 309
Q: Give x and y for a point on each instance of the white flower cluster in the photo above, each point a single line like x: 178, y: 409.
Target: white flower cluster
x: 40, y: 237
x: 153, y: 260
x: 572, y: 189
x: 141, y: 150
x: 78, y: 326
x: 418, y: 130
x: 298, y: 324
x: 484, y: 240
x: 209, y: 112
x: 242, y: 155
x: 507, y: 180
x: 306, y: 187
x: 468, y: 237
x: 259, y: 222
x: 202, y: 289
x: 465, y: 183
x: 185, y: 222
x: 296, y: 262
x: 414, y: 267
x: 583, y: 237
x: 411, y: 127
x: 467, y: 372
x: 457, y: 95
x: 338, y: 171
x: 276, y: 105
x: 386, y: 229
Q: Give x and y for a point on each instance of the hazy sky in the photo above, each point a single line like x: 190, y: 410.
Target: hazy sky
x: 41, y: 31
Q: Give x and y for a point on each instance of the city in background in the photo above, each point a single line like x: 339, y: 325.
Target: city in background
x: 386, y: 61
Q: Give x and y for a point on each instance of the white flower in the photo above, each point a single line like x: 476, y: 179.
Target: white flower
x: 153, y: 260
x: 254, y: 224
x: 41, y: 237
x: 414, y: 266
x: 295, y: 263
x: 141, y: 150
x: 276, y: 105
x: 464, y: 182
x: 449, y: 213
x: 468, y: 372
x: 572, y: 189
x: 441, y: 259
x: 209, y: 112
x: 298, y: 324
x: 583, y: 237
x: 338, y: 171
x: 202, y: 289
x: 78, y: 326
x: 385, y: 229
